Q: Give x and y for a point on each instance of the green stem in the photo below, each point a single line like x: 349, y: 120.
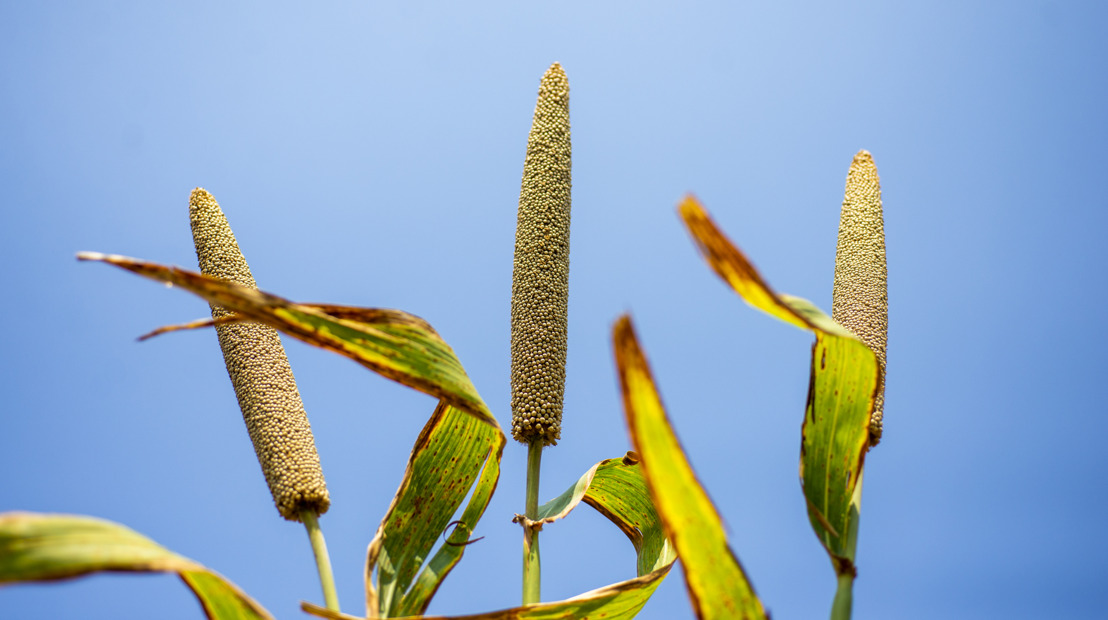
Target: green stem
x: 844, y: 597
x: 532, y: 567
x: 843, y: 604
x: 322, y: 559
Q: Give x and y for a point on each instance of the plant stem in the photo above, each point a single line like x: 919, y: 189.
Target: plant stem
x: 843, y: 604
x: 532, y: 567
x: 844, y: 598
x: 322, y: 559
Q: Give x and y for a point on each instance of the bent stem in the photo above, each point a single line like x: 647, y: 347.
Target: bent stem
x: 532, y: 567
x: 322, y: 559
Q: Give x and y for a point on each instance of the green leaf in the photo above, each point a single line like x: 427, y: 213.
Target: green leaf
x: 453, y: 450
x: 842, y: 389
x: 45, y: 547
x: 395, y: 344
x: 718, y: 587
x: 615, y: 488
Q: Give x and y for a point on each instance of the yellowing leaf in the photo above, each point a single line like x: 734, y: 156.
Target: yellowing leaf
x: 453, y: 450
x: 616, y: 489
x: 842, y: 388
x: 717, y: 585
x: 45, y: 547
x: 393, y: 343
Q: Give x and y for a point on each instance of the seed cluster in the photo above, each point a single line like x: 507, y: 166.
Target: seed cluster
x: 261, y: 375
x: 540, y: 277
x: 860, y: 301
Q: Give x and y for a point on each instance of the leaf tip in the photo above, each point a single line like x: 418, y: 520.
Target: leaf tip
x: 623, y: 323
x: 689, y: 206
x: 624, y: 339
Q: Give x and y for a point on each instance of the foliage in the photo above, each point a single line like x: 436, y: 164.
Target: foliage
x: 651, y: 494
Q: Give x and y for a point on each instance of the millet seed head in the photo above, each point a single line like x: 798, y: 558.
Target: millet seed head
x: 860, y: 301
x: 261, y: 375
x: 540, y: 277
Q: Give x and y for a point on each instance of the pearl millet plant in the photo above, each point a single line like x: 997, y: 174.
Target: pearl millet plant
x: 540, y: 299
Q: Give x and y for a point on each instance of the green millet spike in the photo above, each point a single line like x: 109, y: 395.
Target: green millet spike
x: 540, y: 277
x: 261, y: 375
x: 860, y: 301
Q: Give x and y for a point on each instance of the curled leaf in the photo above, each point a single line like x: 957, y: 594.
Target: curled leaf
x: 616, y: 489
x: 455, y: 452
x: 842, y: 391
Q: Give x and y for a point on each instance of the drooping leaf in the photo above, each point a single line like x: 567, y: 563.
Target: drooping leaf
x: 398, y: 345
x: 717, y: 585
x: 453, y: 450
x: 45, y: 547
x: 615, y: 488
x: 843, y: 385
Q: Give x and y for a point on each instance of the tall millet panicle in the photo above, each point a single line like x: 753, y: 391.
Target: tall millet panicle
x: 261, y: 375
x: 860, y: 301
x: 540, y: 278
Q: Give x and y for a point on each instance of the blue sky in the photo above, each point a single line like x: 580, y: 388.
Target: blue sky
x: 370, y: 154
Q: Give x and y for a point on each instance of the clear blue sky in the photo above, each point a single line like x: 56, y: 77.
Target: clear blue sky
x: 370, y: 154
